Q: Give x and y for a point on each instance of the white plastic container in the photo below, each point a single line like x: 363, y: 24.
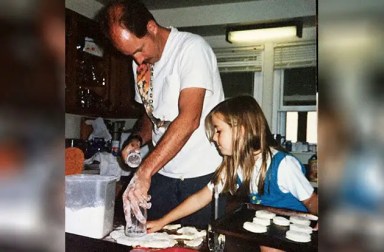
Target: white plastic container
x: 89, y: 204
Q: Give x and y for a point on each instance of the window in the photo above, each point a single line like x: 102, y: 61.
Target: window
x: 296, y: 113
x: 240, y: 70
x: 299, y: 87
x: 237, y: 83
x: 295, y: 85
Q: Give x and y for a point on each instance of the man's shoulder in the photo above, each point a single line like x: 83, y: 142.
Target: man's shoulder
x: 188, y: 38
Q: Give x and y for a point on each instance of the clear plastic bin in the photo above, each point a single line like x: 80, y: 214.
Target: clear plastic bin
x: 89, y: 204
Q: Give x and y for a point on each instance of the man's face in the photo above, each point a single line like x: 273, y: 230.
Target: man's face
x: 143, y: 50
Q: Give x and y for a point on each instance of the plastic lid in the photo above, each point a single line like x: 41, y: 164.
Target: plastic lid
x: 89, y: 177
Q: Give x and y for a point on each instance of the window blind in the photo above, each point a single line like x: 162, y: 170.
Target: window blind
x: 292, y: 55
x: 239, y: 59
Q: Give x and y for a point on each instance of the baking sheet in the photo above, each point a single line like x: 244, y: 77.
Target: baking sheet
x: 231, y: 225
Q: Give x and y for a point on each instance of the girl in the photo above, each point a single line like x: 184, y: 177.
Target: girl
x: 251, y: 157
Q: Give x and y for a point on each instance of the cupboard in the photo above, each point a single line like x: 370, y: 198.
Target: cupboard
x: 96, y: 84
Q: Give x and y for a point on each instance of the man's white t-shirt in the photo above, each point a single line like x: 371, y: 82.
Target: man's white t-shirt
x: 187, y: 61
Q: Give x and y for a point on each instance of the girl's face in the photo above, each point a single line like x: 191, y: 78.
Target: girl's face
x: 223, y: 135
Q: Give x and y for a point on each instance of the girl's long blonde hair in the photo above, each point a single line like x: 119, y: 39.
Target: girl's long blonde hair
x: 251, y: 134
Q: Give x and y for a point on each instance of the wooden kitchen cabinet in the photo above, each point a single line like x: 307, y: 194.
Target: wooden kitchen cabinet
x: 96, y: 86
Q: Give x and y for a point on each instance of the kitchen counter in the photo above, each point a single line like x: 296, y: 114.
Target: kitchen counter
x: 230, y: 224
x: 78, y: 243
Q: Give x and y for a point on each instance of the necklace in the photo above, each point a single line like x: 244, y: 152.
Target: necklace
x: 145, y: 86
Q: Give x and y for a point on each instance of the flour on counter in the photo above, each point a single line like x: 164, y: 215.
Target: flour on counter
x: 153, y: 240
x: 94, y: 222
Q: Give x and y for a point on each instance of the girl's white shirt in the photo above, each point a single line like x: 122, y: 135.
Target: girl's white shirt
x: 290, y: 178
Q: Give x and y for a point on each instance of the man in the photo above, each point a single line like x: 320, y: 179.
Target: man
x: 178, y: 82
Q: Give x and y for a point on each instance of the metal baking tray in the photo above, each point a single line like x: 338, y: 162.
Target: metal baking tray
x: 231, y: 225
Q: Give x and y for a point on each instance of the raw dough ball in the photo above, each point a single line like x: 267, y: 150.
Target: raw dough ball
x: 298, y: 236
x: 254, y: 227
x: 262, y: 221
x: 194, y: 243
x: 265, y: 214
x: 300, y: 228
x: 299, y: 220
x: 187, y: 230
x: 281, y: 221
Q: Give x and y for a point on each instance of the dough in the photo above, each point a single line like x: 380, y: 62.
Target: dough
x: 298, y: 236
x: 281, y: 221
x: 121, y: 227
x: 154, y: 240
x: 187, y: 230
x: 172, y: 227
x: 310, y: 216
x: 265, y: 214
x: 254, y: 227
x: 194, y: 243
x: 117, y: 234
x: 262, y: 221
x: 300, y: 228
x: 159, y: 243
x: 188, y: 233
x: 299, y: 220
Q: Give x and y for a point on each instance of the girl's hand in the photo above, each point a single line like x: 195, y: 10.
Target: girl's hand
x: 154, y: 226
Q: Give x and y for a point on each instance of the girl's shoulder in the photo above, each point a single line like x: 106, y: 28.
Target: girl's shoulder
x: 278, y: 155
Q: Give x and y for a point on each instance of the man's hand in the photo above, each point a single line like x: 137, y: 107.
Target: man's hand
x: 132, y: 146
x: 135, y: 196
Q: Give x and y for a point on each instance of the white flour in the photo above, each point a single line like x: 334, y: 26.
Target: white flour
x: 94, y: 222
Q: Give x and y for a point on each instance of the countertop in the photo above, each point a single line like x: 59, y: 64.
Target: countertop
x: 240, y: 241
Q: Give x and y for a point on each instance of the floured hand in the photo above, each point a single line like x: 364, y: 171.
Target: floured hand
x: 135, y: 195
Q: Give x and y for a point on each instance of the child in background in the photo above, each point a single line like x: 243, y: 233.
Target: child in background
x: 251, y: 157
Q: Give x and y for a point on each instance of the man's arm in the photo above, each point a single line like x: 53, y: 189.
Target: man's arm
x: 191, y: 102
x: 143, y: 129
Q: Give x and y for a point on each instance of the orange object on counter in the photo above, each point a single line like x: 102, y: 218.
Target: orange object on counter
x: 312, y: 163
x: 74, y: 161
